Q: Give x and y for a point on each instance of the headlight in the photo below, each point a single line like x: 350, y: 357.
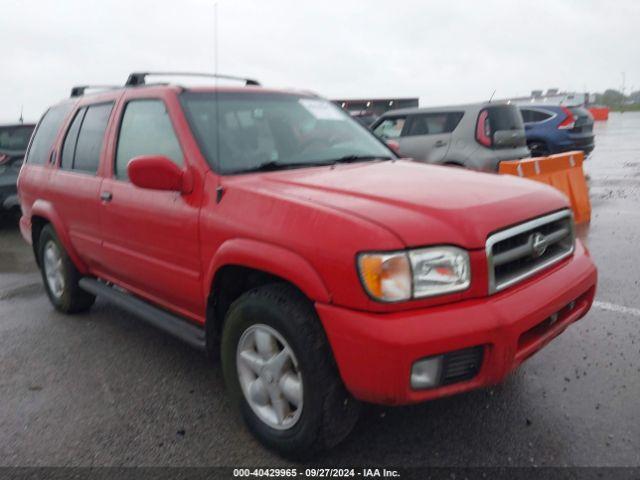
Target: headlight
x: 419, y: 273
x: 439, y: 270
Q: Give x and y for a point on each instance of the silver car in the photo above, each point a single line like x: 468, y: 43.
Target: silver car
x: 476, y: 136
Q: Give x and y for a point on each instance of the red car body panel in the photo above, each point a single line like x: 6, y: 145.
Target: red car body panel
x: 306, y: 226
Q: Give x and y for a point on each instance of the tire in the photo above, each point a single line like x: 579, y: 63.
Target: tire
x: 538, y: 149
x: 64, y: 292
x: 327, y: 412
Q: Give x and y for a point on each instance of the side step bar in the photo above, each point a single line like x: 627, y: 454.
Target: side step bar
x: 155, y: 316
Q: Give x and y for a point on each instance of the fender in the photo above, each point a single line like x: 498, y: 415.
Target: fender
x: 45, y: 209
x: 271, y: 259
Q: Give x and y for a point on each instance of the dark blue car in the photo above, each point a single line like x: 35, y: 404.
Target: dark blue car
x: 555, y: 128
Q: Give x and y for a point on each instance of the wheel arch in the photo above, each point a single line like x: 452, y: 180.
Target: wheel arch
x: 43, y: 213
x: 240, y: 265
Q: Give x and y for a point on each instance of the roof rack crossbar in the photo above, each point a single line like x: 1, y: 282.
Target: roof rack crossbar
x: 79, y: 90
x: 138, y: 78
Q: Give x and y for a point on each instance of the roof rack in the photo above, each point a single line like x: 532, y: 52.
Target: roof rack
x: 79, y: 90
x: 138, y: 78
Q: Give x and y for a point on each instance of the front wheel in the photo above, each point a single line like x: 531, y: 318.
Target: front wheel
x: 279, y: 369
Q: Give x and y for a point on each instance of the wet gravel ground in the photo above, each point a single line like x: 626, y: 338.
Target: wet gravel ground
x: 104, y: 389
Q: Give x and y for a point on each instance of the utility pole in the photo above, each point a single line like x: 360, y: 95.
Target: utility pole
x: 624, y: 79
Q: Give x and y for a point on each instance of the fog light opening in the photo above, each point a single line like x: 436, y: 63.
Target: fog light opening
x: 426, y: 373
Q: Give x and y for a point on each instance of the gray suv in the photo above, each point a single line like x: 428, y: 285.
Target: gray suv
x: 477, y: 136
x: 13, y: 143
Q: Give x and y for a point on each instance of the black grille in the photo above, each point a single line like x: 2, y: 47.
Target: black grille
x: 514, y: 256
x: 461, y: 365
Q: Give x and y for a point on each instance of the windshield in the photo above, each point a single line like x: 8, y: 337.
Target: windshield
x: 266, y: 130
x: 15, y: 138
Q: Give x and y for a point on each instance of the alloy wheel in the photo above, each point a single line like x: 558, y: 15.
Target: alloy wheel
x: 54, y: 269
x: 269, y: 376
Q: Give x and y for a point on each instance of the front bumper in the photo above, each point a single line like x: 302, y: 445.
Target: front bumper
x: 375, y: 352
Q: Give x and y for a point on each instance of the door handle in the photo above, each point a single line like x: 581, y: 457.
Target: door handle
x: 106, y: 196
x: 440, y: 143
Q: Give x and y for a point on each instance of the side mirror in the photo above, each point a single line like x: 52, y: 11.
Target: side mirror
x: 157, y: 172
x: 394, y: 145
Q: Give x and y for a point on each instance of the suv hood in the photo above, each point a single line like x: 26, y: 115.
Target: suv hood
x: 420, y: 204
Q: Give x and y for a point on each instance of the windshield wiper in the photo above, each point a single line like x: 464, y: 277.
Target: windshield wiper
x: 272, y: 165
x: 356, y: 158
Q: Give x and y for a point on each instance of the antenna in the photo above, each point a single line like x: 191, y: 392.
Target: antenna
x: 491, y: 97
x: 219, y: 189
x: 21, y: 119
x: 215, y: 40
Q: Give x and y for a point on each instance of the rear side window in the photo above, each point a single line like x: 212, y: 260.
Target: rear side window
x: 91, y: 137
x: 146, y: 129
x: 46, y: 133
x: 70, y: 141
x: 433, y: 123
x: 532, y: 116
x: 390, y: 127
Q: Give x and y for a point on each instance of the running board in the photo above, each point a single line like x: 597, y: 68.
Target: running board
x: 155, y: 316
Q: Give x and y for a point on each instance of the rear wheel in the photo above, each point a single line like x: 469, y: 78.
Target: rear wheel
x: 279, y: 369
x: 538, y: 149
x: 60, y: 275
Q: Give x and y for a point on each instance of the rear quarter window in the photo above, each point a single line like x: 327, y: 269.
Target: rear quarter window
x: 46, y: 133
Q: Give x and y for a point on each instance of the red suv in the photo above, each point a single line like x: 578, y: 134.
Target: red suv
x: 270, y: 228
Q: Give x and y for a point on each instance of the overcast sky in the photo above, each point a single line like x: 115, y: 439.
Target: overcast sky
x: 443, y: 52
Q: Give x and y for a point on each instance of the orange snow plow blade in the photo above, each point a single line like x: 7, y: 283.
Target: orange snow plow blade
x: 563, y: 171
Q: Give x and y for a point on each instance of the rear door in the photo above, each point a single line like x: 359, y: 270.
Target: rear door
x: 75, y: 185
x: 150, y: 237
x: 427, y: 136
